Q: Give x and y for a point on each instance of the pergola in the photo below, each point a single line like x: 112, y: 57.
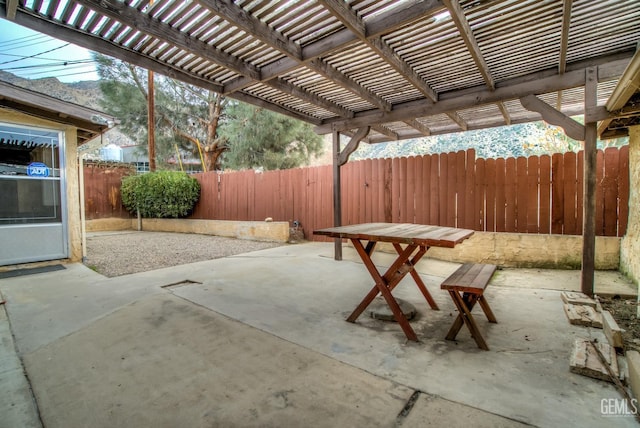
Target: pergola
x: 383, y: 70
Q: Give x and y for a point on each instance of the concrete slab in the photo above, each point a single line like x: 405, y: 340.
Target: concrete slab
x: 17, y: 406
x: 73, y: 328
x: 433, y: 411
x: 164, y: 362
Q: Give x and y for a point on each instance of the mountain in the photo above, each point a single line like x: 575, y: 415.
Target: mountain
x: 85, y: 93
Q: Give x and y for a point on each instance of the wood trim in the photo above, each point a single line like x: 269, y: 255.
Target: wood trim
x: 572, y: 128
x: 352, y: 145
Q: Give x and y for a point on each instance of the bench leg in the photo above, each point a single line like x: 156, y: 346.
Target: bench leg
x: 465, y: 304
x: 487, y: 310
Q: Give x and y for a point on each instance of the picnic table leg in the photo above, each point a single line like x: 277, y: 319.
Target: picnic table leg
x: 383, y: 285
x: 465, y: 304
x: 416, y: 276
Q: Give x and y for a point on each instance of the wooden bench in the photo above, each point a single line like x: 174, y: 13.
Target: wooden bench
x: 466, y: 287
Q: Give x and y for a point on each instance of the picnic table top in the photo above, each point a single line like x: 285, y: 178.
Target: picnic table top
x: 401, y: 233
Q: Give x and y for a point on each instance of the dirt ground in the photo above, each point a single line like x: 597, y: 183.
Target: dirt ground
x: 624, y: 311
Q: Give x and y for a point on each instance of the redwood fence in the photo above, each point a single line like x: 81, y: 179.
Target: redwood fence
x: 538, y: 194
x: 102, y: 189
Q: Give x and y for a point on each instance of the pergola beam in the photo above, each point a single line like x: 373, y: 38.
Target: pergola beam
x: 564, y: 42
x: 11, y: 8
x: 536, y: 83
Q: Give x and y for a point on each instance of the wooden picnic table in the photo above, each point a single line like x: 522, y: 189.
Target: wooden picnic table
x: 416, y: 238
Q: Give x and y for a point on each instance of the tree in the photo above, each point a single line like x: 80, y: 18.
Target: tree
x: 186, y: 115
x: 262, y: 138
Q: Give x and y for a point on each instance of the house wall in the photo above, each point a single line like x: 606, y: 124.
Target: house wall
x: 630, y: 245
x: 71, y: 175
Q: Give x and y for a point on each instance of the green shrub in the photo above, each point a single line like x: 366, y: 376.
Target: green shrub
x: 160, y: 194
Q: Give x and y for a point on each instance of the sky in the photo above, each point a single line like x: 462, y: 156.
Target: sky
x: 32, y: 55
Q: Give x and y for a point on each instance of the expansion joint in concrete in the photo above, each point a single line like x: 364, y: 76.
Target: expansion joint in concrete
x: 407, y: 408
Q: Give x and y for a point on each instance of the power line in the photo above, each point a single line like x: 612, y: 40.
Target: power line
x: 25, y: 39
x: 35, y: 55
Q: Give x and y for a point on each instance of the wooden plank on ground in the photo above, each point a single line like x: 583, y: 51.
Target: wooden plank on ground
x: 583, y: 315
x: 585, y: 360
x: 612, y: 331
x: 577, y: 298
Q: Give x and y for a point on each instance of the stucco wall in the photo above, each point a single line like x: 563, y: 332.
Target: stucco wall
x: 71, y: 175
x: 528, y: 250
x: 276, y: 231
x: 630, y: 245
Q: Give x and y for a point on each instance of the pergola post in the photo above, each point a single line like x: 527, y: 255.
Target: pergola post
x: 590, y: 160
x: 337, y: 194
x: 340, y: 157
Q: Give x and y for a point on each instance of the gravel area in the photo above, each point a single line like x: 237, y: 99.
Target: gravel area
x: 122, y: 253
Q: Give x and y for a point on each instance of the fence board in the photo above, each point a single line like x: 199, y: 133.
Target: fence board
x: 451, y: 189
x: 533, y: 173
x: 580, y: 194
x: 409, y: 189
x: 557, y: 192
x: 599, y: 200
x: 386, y: 188
x: 510, y: 195
x: 545, y: 194
x: 425, y: 201
x: 490, y: 195
x: 419, y: 191
x: 470, y: 217
x: 434, y: 185
x: 461, y: 189
x: 481, y: 185
x: 500, y: 205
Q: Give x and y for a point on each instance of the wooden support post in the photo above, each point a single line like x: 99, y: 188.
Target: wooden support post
x: 589, y: 205
x: 337, y: 204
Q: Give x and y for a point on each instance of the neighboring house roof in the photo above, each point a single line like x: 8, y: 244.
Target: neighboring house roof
x: 90, y: 123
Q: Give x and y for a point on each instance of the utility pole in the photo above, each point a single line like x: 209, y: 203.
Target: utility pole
x: 151, y: 124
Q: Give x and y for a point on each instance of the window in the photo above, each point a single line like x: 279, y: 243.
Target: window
x: 29, y: 175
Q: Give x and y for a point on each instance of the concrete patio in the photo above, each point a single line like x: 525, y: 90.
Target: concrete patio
x: 259, y: 339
